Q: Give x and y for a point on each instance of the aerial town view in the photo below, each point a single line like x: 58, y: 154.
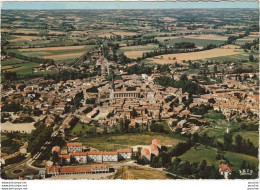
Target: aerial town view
x: 130, y: 93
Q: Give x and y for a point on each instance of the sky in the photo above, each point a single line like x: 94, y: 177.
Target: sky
x: 126, y: 5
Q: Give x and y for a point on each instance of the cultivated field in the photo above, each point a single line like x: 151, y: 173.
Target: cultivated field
x: 27, y: 31
x: 217, y: 52
x: 23, y: 38
x: 136, y: 51
x: 125, y: 33
x: 57, y: 53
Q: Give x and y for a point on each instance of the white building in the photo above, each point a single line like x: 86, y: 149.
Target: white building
x: 124, y: 154
x: 74, y: 147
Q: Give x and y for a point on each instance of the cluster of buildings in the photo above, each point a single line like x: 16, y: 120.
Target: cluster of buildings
x: 151, y: 150
x: 75, y: 154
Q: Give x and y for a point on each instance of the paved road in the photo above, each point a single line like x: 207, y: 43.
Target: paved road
x: 24, y: 166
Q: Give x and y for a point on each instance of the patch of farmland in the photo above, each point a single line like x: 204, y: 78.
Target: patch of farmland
x: 134, y: 54
x: 121, y: 33
x: 27, y: 31
x: 208, y: 37
x: 179, y: 57
x: 23, y: 38
x: 53, y: 48
x: 63, y: 56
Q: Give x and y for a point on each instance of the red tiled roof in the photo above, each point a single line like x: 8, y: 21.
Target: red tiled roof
x: 156, y: 142
x: 64, y: 156
x: 101, y: 153
x: 145, y: 151
x: 124, y: 150
x: 74, y: 144
x: 153, y: 147
x: 75, y: 169
x: 224, y: 167
x: 78, y: 154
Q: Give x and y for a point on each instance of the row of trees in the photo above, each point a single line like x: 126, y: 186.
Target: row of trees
x: 38, y: 137
x: 142, y: 42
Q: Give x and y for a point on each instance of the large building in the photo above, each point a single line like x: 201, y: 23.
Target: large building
x: 124, y: 94
x: 75, y: 155
x: 92, y: 169
x: 74, y: 147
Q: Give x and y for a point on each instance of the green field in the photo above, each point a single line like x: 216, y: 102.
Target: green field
x: 198, y: 42
x: 81, y: 128
x: 211, y: 132
x: 236, y: 159
x: 113, y: 142
x: 201, y: 153
x: 17, y: 65
x: 209, y: 154
x: 57, y: 54
x: 21, y: 67
x: 148, y: 47
x: 251, y: 135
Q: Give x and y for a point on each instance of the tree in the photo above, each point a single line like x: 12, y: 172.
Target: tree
x: 228, y: 141
x: 238, y: 141
x: 251, y: 58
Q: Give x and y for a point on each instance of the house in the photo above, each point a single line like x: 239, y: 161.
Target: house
x: 146, y: 155
x: 154, y: 149
x: 225, y: 170
x: 157, y: 143
x: 74, y: 147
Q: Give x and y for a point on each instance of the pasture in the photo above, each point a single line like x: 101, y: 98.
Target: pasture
x: 115, y: 141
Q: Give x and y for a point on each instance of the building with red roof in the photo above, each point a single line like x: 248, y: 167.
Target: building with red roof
x: 225, y: 170
x: 157, y: 143
x: 154, y: 149
x: 74, y: 147
x: 146, y: 154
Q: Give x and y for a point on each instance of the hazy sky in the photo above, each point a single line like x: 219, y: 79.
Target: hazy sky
x: 127, y: 5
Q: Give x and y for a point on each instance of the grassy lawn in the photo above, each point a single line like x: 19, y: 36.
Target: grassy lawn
x: 236, y: 159
x: 198, y: 42
x: 209, y: 154
x: 251, y: 135
x: 201, y: 153
x: 81, y: 128
x: 218, y: 133
x: 115, y: 141
x: 127, y: 172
